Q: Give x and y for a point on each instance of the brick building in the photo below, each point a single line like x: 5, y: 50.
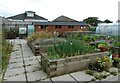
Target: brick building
x: 61, y: 25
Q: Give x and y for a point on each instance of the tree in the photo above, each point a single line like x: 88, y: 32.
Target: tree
x: 107, y: 21
x: 93, y: 21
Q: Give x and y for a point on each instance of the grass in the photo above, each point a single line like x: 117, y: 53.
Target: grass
x: 6, y: 50
x: 90, y: 72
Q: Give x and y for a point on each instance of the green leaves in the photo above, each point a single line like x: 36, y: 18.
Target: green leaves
x: 70, y: 48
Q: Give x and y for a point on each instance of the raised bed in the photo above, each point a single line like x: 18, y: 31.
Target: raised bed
x: 40, y: 46
x: 38, y: 49
x: 68, y: 65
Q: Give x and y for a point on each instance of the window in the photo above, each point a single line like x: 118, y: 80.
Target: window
x: 58, y: 26
x: 42, y: 26
x: 30, y: 14
x: 70, y: 26
x: 81, y: 27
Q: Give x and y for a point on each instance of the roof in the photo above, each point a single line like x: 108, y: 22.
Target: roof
x: 30, y: 11
x: 64, y: 19
x: 23, y: 16
x: 59, y: 23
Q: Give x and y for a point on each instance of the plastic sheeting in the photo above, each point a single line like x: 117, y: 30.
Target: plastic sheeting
x: 110, y: 29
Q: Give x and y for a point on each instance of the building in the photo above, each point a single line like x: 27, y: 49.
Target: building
x: 27, y: 18
x: 61, y: 25
x: 23, y: 20
x: 4, y: 22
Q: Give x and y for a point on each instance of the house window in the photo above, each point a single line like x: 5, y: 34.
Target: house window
x: 70, y: 26
x: 81, y: 27
x: 30, y: 14
x: 43, y: 26
x: 58, y: 26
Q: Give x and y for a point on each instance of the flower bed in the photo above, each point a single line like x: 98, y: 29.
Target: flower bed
x: 55, y: 67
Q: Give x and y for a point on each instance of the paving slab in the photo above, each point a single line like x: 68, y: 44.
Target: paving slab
x: 46, y: 80
x: 28, y: 51
x: 66, y: 77
x: 37, y: 75
x: 33, y: 68
x: 111, y: 78
x: 13, y: 72
x: 15, y: 65
x: 20, y: 77
x: 27, y: 55
x: 16, y: 54
x: 113, y: 69
x: 30, y: 58
x: 15, y: 60
x: 15, y: 57
x: 32, y: 62
x: 81, y: 76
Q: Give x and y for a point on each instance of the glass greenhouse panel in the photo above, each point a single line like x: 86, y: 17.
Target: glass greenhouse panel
x: 111, y: 29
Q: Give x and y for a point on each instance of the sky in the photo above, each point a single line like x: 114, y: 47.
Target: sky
x: 51, y: 9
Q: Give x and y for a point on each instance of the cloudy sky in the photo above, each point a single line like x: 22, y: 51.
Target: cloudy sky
x: 50, y: 9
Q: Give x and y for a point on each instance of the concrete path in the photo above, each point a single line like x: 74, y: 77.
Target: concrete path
x: 24, y: 66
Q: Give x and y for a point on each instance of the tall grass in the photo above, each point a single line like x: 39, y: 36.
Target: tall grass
x: 6, y: 49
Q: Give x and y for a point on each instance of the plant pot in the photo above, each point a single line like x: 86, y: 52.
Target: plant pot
x: 114, y: 55
x: 103, y: 49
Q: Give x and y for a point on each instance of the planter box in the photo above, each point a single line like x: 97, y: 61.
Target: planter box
x: 68, y: 65
x: 39, y: 46
x: 38, y: 49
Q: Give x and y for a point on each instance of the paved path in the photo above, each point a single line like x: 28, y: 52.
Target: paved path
x: 24, y: 66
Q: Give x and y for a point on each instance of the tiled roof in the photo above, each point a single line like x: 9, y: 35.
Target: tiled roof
x: 64, y: 19
x: 59, y: 23
x: 24, y: 16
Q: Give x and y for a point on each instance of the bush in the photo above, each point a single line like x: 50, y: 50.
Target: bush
x: 101, y: 64
x: 117, y: 44
x: 116, y: 61
x: 41, y: 34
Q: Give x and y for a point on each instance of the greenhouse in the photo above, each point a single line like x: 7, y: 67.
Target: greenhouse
x: 111, y: 29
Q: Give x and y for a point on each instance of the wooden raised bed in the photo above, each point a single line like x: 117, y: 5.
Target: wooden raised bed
x: 68, y: 65
x: 38, y: 49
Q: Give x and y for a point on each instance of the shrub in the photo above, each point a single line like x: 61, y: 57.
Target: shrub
x: 101, y: 64
x: 117, y: 44
x: 41, y: 34
x: 116, y: 61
